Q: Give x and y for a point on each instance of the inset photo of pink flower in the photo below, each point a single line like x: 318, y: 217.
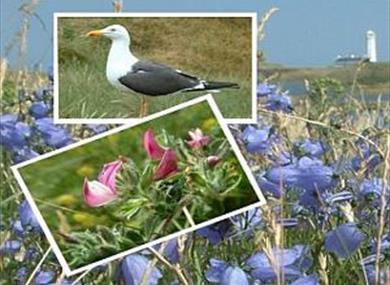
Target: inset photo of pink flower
x: 137, y: 185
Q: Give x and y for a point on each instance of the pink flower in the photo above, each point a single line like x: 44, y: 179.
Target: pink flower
x: 154, y: 151
x: 212, y: 160
x: 167, y: 158
x: 198, y: 140
x: 167, y: 166
x: 108, y: 175
x: 97, y: 194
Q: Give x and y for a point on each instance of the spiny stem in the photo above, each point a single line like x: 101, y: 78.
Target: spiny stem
x: 60, y: 207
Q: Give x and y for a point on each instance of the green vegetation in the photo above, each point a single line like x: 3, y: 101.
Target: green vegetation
x: 371, y: 77
x: 9, y: 96
x: 217, y: 49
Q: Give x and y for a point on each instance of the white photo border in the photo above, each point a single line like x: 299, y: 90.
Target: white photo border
x: 208, y: 98
x: 56, y: 116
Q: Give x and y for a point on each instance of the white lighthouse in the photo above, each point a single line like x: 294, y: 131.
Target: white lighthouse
x: 371, y: 46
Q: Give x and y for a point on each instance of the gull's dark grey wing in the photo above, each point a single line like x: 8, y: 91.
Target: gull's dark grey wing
x: 157, y: 79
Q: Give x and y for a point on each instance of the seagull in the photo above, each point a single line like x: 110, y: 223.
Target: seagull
x: 128, y: 73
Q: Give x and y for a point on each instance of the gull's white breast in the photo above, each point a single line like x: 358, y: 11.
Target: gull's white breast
x: 119, y: 63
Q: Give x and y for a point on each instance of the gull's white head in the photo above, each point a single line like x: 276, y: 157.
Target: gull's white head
x: 113, y: 32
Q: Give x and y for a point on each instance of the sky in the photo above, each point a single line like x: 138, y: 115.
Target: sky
x: 301, y: 33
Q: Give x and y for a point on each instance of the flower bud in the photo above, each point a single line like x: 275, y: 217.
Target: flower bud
x: 152, y: 148
x: 167, y: 166
x: 212, y: 160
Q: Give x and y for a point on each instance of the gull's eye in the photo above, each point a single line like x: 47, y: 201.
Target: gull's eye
x: 113, y: 30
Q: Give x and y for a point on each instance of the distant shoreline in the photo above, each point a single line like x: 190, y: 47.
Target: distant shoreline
x: 373, y: 79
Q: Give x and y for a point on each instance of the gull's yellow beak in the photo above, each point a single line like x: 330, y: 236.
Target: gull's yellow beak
x: 95, y: 33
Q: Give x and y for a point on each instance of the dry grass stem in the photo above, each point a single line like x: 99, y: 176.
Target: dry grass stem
x: 3, y: 71
x: 321, y: 124
x: 263, y: 21
x: 81, y: 276
x: 322, y: 260
x: 188, y: 216
x: 60, y: 279
x: 38, y: 266
x: 382, y: 213
x: 174, y: 268
x: 118, y: 5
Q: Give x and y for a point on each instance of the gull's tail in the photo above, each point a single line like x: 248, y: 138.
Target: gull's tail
x: 212, y: 85
x: 219, y: 85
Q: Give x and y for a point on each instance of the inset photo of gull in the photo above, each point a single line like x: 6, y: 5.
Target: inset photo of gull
x: 114, y: 68
x: 137, y: 185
